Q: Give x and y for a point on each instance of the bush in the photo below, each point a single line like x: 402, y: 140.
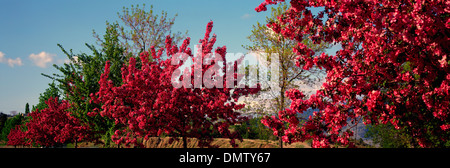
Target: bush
x: 387, y: 136
x: 254, y: 129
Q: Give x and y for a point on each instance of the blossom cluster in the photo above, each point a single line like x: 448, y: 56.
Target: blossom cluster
x: 147, y: 104
x: 393, y: 68
x: 49, y: 127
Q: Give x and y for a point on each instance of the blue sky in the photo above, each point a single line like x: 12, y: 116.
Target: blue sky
x: 30, y: 31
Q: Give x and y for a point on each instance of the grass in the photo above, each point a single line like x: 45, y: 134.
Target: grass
x: 155, y: 142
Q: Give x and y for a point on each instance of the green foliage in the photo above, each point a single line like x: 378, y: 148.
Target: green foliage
x: 10, y: 124
x: 254, y: 129
x: 27, y: 108
x: 51, y: 91
x: 3, y: 118
x: 79, y: 79
x: 386, y: 136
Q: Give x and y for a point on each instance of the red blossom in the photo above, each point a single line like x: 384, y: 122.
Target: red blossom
x: 393, y: 68
x: 147, y: 103
x: 16, y: 136
x: 54, y: 125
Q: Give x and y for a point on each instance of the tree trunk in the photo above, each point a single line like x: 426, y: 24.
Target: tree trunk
x: 281, y: 108
x: 184, y: 142
x: 283, y: 84
x: 280, y: 142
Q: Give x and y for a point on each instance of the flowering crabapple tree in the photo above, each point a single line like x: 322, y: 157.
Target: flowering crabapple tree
x: 393, y: 68
x: 16, y: 136
x: 54, y: 125
x: 151, y: 102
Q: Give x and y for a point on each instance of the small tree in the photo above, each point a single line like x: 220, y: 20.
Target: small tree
x: 276, y: 46
x: 17, y: 136
x: 147, y: 103
x: 141, y: 29
x: 3, y: 118
x: 27, y: 109
x: 54, y: 125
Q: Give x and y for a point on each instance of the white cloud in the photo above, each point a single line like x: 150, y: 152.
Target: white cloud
x: 247, y: 16
x: 42, y: 59
x: 9, y: 61
x: 12, y: 62
x: 2, y: 56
